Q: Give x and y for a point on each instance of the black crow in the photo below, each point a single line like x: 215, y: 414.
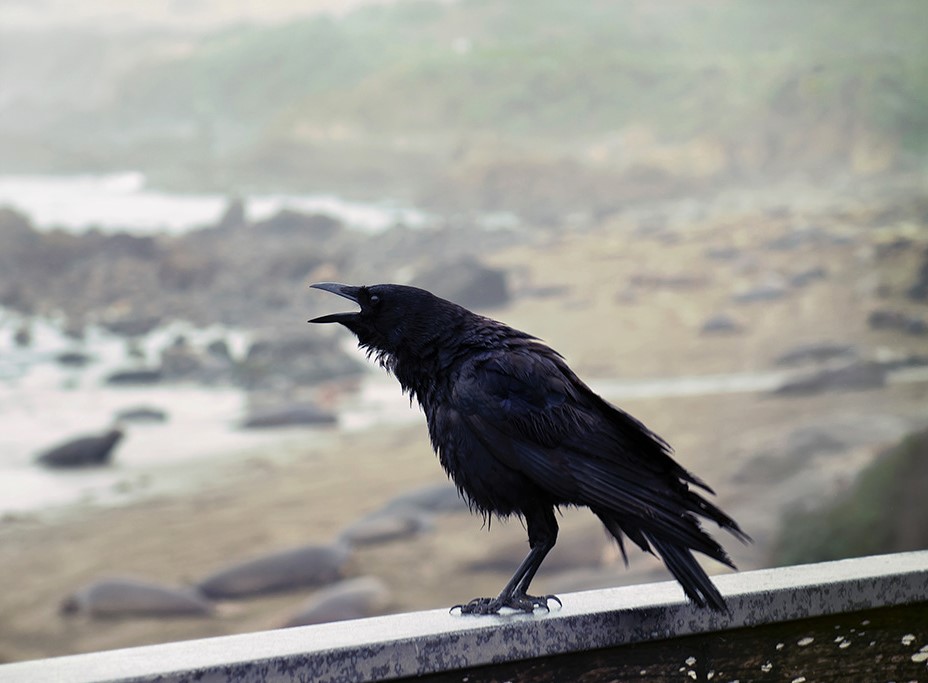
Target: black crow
x: 520, y: 434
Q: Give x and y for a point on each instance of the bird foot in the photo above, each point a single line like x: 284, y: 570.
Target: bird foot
x: 520, y: 603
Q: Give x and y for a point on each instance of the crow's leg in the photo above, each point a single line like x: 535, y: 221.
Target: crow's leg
x: 542, y: 535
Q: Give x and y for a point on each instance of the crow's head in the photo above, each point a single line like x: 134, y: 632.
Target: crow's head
x: 393, y: 318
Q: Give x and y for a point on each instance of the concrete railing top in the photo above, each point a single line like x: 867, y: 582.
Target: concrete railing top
x: 436, y: 641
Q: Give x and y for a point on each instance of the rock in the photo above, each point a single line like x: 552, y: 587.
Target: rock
x: 180, y: 361
x: 291, y: 415
x: 134, y: 376
x: 856, y: 375
x: 22, y: 337
x: 74, y: 359
x: 829, y: 435
x: 88, y: 451
x: 299, y: 360
x: 365, y: 596
x: 803, y: 238
x: 219, y: 349
x: 289, y: 223
x: 919, y: 289
x: 816, y: 353
x: 721, y: 323
x: 234, y: 215
x: 765, y: 292
x: 722, y: 253
x: 883, y: 319
x: 655, y: 281
x: 436, y: 498
x: 795, y: 454
x: 805, y: 277
x: 467, y: 282
x: 384, y: 526
x: 312, y: 565
x: 132, y: 325
x: 142, y: 414
x: 124, y: 597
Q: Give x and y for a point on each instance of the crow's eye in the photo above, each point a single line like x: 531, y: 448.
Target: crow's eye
x: 374, y: 299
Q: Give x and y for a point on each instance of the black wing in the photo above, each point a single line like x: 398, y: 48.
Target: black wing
x: 529, y: 411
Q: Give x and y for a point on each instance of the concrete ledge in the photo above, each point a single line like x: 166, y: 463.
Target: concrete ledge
x: 435, y: 641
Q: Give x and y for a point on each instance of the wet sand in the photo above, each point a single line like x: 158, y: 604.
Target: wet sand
x: 294, y: 493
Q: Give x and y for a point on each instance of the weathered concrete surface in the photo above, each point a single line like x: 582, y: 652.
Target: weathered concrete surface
x: 426, y: 642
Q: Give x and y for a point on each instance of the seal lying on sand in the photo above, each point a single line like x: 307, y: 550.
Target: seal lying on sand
x: 126, y: 596
x: 313, y: 565
x: 365, y: 596
x: 83, y: 452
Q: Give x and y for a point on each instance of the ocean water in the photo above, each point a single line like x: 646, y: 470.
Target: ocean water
x: 124, y: 202
x: 44, y: 403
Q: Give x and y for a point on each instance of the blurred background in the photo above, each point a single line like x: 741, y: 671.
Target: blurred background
x: 716, y: 210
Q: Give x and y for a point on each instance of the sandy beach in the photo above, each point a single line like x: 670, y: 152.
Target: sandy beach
x: 618, y: 305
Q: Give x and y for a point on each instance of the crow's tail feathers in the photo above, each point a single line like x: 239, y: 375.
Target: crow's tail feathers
x: 675, y: 543
x: 685, y: 569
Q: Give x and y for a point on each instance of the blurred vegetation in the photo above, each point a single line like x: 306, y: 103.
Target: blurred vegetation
x: 883, y: 512
x: 576, y: 68
x: 406, y: 88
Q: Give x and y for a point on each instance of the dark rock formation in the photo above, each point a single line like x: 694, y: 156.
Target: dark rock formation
x: 88, y: 451
x: 365, y: 596
x: 466, y: 282
x: 131, y: 597
x: 313, y: 565
x: 816, y: 353
x: 856, y: 375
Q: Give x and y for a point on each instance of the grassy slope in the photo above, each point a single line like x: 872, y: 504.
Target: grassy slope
x: 576, y: 68
x: 881, y: 513
x: 396, y: 94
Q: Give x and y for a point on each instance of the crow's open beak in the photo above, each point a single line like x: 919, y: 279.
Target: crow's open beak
x: 346, y: 291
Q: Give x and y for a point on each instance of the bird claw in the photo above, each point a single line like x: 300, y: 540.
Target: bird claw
x: 520, y: 603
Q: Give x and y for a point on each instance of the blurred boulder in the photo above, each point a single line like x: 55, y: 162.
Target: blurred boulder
x: 721, y: 323
x: 828, y: 436
x: 856, y: 375
x: 303, y: 359
x: 919, y: 289
x: 219, y: 349
x: 806, y: 277
x: 467, y: 282
x: 22, y: 337
x: 289, y: 415
x: 365, y: 596
x: 234, y: 215
x: 88, y: 451
x: 434, y: 498
x: 134, y: 376
x: 723, y: 253
x: 816, y: 353
x: 180, y: 360
x: 312, y: 565
x: 289, y: 223
x: 73, y: 359
x: 386, y: 525
x: 142, y: 414
x: 131, y: 597
x: 884, y: 319
x: 131, y: 325
x: 770, y: 291
x: 804, y: 238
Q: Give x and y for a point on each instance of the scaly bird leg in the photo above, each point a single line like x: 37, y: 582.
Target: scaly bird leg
x: 542, y: 536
